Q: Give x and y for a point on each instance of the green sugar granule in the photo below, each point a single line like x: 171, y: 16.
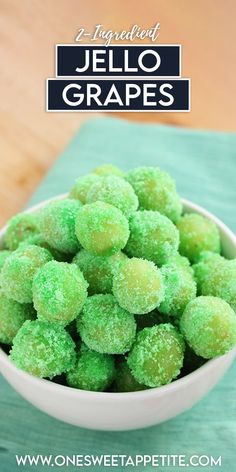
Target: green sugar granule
x: 102, y: 228
x: 115, y: 191
x: 197, y: 234
x: 156, y: 191
x: 59, y: 292
x: 138, y: 286
x: 12, y: 317
x: 106, y: 327
x: 43, y: 349
x: 157, y: 355
x: 82, y: 186
x: 57, y: 224
x: 153, y: 236
x: 99, y: 270
x: 209, y: 326
x: 19, y: 270
x: 93, y: 371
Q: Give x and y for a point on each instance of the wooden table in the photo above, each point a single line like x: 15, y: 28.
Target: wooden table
x: 30, y: 138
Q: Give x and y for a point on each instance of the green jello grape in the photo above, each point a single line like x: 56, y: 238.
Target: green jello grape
x: 115, y: 191
x: 43, y: 349
x: 99, y: 270
x: 197, y: 234
x: 156, y: 191
x: 19, y: 270
x: 157, y: 355
x: 20, y: 228
x: 12, y: 317
x: 93, y: 371
x: 209, y: 326
x: 59, y: 292
x: 138, y: 286
x: 57, y: 224
x: 82, y: 186
x: 152, y: 236
x: 105, y: 327
x: 102, y: 228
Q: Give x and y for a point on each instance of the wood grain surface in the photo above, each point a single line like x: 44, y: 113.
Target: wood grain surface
x: 30, y: 138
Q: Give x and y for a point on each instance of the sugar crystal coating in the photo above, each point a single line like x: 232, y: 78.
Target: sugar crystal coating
x: 93, y: 371
x: 115, y: 191
x: 59, y: 292
x: 106, y: 327
x: 180, y: 288
x: 99, y: 270
x: 19, y: 270
x: 156, y: 191
x: 152, y: 236
x: 57, y: 224
x: 82, y: 186
x: 20, y: 228
x: 108, y: 169
x: 157, y: 355
x: 43, y: 349
x: 197, y: 234
x: 102, y: 228
x: 209, y: 326
x: 12, y: 317
x: 138, y: 286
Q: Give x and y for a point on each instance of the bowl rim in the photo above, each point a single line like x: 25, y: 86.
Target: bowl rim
x: 155, y: 391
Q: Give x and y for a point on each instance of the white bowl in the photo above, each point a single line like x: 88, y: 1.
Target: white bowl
x: 123, y: 411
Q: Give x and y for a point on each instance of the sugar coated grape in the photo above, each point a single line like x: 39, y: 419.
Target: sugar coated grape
x: 59, y: 292
x: 116, y: 191
x: 197, y: 234
x: 180, y: 288
x: 221, y: 282
x: 157, y: 355
x: 102, y: 228
x: 20, y: 228
x: 138, y: 286
x: 108, y: 169
x: 93, y: 371
x: 4, y: 254
x: 156, y: 191
x: 12, y: 317
x: 152, y: 236
x: 208, y: 262
x: 209, y: 326
x: 57, y: 224
x: 99, y: 270
x: 106, y: 327
x: 125, y: 381
x: 82, y: 186
x: 18, y: 272
x: 43, y: 349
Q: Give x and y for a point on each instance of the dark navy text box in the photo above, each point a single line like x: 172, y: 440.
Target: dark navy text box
x: 69, y: 57
x: 55, y: 101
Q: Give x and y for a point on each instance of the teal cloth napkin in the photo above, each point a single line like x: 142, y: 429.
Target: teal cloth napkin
x: 204, y: 165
